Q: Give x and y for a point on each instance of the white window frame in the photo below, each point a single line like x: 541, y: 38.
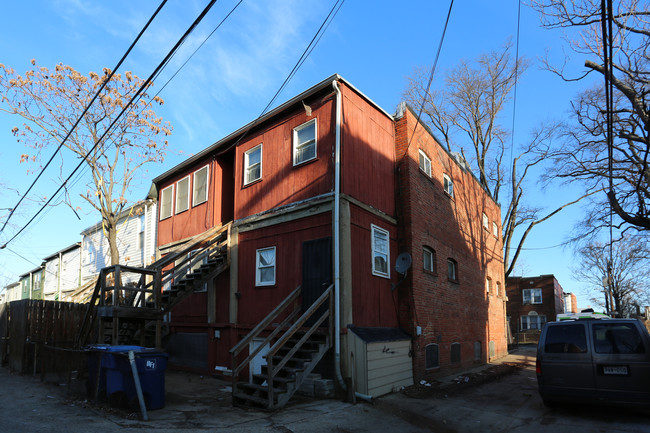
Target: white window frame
x: 448, y: 185
x: 488, y: 285
x: 259, y: 267
x: 424, y: 162
x: 426, y: 251
x: 166, y: 215
x: 525, y: 322
x: 486, y: 222
x: 186, y: 205
x: 528, y: 296
x: 377, y: 250
x: 248, y: 168
x: 495, y: 229
x: 300, y: 146
x: 196, y: 200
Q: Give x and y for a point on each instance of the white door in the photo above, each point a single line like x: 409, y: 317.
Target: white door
x: 258, y: 361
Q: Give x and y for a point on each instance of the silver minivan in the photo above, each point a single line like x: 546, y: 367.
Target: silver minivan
x: 594, y: 358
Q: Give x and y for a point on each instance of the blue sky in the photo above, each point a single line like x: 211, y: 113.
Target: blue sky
x: 374, y: 45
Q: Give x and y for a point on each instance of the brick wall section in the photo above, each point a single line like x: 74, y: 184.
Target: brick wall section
x: 552, y: 298
x: 447, y: 312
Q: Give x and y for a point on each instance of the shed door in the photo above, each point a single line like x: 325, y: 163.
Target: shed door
x: 316, y: 272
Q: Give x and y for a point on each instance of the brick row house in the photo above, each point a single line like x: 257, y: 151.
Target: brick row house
x: 329, y: 190
x: 532, y: 302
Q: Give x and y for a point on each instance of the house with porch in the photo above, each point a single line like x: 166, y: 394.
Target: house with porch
x: 339, y: 214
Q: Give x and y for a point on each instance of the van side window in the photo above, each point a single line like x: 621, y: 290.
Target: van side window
x: 617, y: 338
x: 566, y: 339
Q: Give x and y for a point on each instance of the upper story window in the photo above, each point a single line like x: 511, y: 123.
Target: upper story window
x: 200, y: 186
x: 166, y: 202
x: 452, y: 270
x: 495, y: 230
x: 532, y: 296
x: 380, y: 251
x: 183, y: 195
x: 448, y: 185
x: 488, y: 285
x: 486, y: 222
x: 425, y: 163
x: 429, y: 259
x: 499, y: 289
x: 304, y: 142
x: 265, y: 267
x: 253, y: 164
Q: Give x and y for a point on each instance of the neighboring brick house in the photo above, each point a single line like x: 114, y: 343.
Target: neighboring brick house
x: 570, y: 303
x: 533, y: 301
x: 326, y: 188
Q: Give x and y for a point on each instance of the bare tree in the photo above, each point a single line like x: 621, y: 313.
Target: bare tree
x: 630, y: 274
x: 585, y: 159
x: 466, y: 111
x: 50, y: 102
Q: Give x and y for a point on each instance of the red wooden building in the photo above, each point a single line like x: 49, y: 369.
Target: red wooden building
x: 328, y: 189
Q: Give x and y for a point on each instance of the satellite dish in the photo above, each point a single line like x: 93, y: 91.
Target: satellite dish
x: 403, y: 263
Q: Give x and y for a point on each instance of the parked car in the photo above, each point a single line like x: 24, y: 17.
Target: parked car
x: 594, y: 358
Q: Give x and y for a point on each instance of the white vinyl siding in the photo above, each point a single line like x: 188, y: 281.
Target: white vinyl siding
x: 200, y: 186
x: 304, y: 142
x: 166, y: 202
x: 183, y: 195
x: 380, y: 240
x: 253, y: 164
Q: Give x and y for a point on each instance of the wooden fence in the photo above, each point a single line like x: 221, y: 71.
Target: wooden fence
x: 38, y: 337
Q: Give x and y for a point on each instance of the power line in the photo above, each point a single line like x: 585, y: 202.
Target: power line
x: 92, y: 101
x: 433, y: 70
x: 144, y: 85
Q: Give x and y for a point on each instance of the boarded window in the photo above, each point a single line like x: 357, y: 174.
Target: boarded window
x: 200, y: 189
x: 183, y: 195
x: 432, y: 356
x: 492, y: 350
x: 455, y: 353
x: 166, y: 196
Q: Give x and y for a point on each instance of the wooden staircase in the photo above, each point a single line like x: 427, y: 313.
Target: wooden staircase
x: 295, y: 350
x: 128, y: 304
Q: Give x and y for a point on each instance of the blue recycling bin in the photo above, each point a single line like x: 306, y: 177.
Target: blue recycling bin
x: 116, y: 377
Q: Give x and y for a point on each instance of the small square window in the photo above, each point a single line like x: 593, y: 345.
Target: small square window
x: 304, y: 142
x: 265, y: 267
x: 452, y: 270
x: 380, y: 251
x: 448, y: 185
x: 200, y: 189
x: 425, y: 163
x: 253, y: 164
x: 166, y: 202
x: 183, y: 195
x: 429, y: 259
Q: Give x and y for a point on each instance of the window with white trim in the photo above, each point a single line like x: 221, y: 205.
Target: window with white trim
x: 448, y: 185
x: 486, y: 222
x: 495, y: 229
x: 452, y: 270
x: 425, y: 163
x: 429, y: 259
x: 166, y: 202
x: 183, y: 195
x: 304, y: 142
x: 265, y: 267
x: 532, y: 321
x: 253, y: 164
x: 488, y: 285
x: 380, y: 251
x: 200, y: 186
x: 532, y: 296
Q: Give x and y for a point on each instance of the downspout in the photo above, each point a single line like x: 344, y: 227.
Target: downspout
x: 337, y: 246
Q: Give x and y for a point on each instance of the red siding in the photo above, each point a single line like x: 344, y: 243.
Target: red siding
x: 281, y: 182
x: 368, y: 153
x: 256, y: 302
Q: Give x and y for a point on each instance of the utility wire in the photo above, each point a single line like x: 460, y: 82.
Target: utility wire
x: 108, y: 79
x: 433, y: 70
x: 144, y: 85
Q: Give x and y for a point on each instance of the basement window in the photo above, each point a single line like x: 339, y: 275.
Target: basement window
x: 166, y: 202
x: 265, y: 267
x: 304, y: 142
x: 431, y: 356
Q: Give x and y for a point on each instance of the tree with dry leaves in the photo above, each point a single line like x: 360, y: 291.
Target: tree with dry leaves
x: 585, y: 157
x: 50, y: 102
x: 466, y: 114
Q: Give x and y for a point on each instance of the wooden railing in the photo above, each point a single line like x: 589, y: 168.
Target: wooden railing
x: 288, y: 330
